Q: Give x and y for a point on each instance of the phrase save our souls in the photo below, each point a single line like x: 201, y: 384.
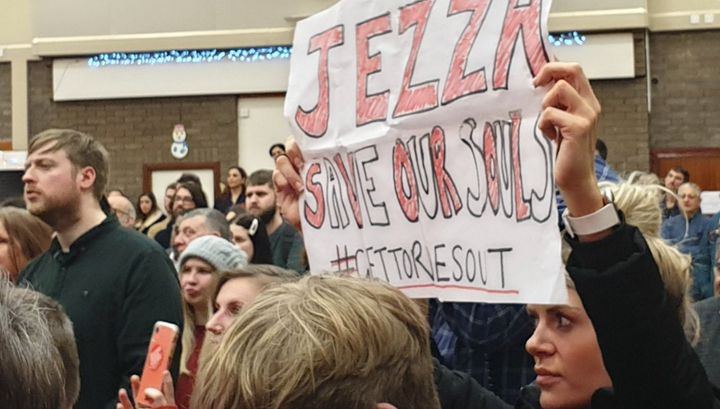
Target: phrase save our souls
x: 422, y: 183
x: 423, y: 186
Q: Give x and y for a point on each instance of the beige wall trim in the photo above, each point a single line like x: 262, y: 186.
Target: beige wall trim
x: 685, y: 20
x: 599, y: 20
x: 18, y: 55
x: 19, y: 90
x: 11, y: 52
x: 62, y: 46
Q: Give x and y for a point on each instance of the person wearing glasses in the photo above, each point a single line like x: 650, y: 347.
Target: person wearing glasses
x: 188, y: 196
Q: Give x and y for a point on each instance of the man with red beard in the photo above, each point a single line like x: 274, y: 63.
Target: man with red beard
x: 286, y: 243
x: 114, y: 283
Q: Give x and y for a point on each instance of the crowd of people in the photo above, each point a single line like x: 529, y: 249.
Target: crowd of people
x: 87, y: 273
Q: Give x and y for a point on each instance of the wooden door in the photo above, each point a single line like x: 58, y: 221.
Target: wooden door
x: 156, y: 176
x: 703, y: 165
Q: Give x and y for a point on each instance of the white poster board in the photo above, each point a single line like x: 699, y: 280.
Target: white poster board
x: 710, y: 201
x: 424, y: 166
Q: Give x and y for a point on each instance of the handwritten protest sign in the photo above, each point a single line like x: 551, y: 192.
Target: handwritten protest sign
x: 424, y: 166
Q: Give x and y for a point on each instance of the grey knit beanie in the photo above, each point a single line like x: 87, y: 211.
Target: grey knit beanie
x: 216, y: 251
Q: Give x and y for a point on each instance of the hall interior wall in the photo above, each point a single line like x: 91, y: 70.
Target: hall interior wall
x: 679, y: 76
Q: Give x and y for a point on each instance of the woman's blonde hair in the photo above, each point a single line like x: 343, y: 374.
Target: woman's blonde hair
x: 322, y: 342
x: 639, y: 177
x: 189, y: 322
x: 640, y: 205
x: 265, y: 274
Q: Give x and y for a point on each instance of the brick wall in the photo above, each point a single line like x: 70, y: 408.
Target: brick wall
x: 5, y: 103
x: 138, y: 131
x: 624, y: 119
x: 685, y: 90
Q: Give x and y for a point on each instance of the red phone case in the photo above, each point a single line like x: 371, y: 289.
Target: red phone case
x: 159, y: 356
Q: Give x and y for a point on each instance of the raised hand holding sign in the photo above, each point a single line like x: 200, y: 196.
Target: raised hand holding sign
x: 423, y: 164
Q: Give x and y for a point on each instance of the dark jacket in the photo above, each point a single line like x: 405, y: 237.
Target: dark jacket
x: 691, y: 237
x: 163, y: 236
x: 708, y: 348
x: 601, y: 399
x: 114, y: 284
x: 288, y: 248
x: 487, y: 341
x: 152, y: 219
x: 224, y: 202
x: 458, y: 390
x: 650, y: 362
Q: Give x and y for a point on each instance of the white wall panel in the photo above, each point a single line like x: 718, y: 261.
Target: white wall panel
x: 74, y: 79
x: 603, y: 56
x: 260, y: 124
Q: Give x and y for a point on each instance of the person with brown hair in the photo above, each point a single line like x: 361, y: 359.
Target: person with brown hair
x: 276, y: 150
x: 114, y: 283
x: 188, y: 196
x: 326, y: 343
x: 234, y: 193
x: 674, y: 178
x: 250, y: 235
x: 148, y: 212
x: 168, y: 198
x: 286, y: 243
x: 22, y: 238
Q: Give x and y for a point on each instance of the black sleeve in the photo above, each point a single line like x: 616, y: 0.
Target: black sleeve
x: 153, y: 294
x: 650, y: 362
x: 458, y: 390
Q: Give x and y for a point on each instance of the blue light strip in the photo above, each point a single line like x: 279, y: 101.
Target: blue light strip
x: 567, y: 39
x: 246, y: 54
x: 192, y: 56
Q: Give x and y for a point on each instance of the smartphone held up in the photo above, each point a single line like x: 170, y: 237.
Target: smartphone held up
x: 158, y: 359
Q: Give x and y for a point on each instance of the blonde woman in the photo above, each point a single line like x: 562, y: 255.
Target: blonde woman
x: 235, y: 291
x: 200, y: 266
x: 631, y: 298
x: 323, y: 342
x: 624, y: 341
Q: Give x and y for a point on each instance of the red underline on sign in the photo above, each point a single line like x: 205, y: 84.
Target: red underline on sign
x: 458, y: 287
